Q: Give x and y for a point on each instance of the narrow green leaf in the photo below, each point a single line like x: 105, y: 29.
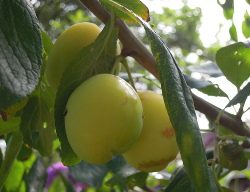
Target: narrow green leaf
x: 246, y: 25
x: 179, y: 104
x: 233, y: 33
x: 123, y: 7
x: 234, y: 62
x: 47, y: 42
x: 93, y: 174
x: 13, y: 147
x: 36, y: 178
x: 37, y: 122
x: 20, y: 51
x: 16, y: 174
x: 241, y: 96
x: 228, y: 8
x: 95, y: 58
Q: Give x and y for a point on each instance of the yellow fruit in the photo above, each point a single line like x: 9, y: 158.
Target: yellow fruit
x: 157, y: 145
x: 66, y: 47
x: 104, y: 118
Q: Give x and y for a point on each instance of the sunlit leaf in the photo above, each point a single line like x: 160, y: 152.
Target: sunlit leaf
x: 123, y: 9
x: 234, y: 62
x: 233, y: 33
x: 228, y: 8
x: 246, y: 25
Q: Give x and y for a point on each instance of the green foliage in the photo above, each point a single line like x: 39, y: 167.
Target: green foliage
x: 136, y: 7
x: 21, y: 55
x: 234, y: 63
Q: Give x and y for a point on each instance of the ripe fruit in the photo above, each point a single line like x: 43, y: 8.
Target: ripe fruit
x: 66, y: 47
x: 157, y: 145
x: 104, y: 118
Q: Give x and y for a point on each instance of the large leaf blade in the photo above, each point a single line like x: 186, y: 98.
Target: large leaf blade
x: 20, y: 51
x: 179, y: 104
x: 37, y: 122
x: 234, y: 62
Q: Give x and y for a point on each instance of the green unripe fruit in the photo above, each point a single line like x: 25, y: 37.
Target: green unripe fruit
x: 104, y: 118
x: 66, y: 47
x: 157, y: 145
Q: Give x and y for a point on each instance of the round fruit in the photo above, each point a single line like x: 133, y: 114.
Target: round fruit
x: 66, y: 47
x: 104, y: 118
x: 157, y: 145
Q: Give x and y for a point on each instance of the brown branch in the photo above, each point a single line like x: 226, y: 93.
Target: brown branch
x: 133, y: 47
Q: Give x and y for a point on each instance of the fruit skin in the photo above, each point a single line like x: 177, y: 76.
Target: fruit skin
x: 157, y: 145
x: 66, y: 47
x: 104, y: 118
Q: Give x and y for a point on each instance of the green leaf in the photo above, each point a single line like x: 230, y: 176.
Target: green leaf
x: 241, y: 96
x: 180, y: 181
x: 36, y: 178
x: 205, y: 86
x: 233, y: 33
x: 16, y: 175
x: 232, y: 156
x: 37, y: 122
x: 125, y: 175
x: 228, y: 8
x: 20, y: 51
x: 196, y: 83
x: 93, y: 174
x: 179, y: 104
x: 234, y: 62
x: 123, y: 7
x: 213, y: 90
x: 211, y: 69
x: 13, y: 147
x: 9, y: 126
x: 24, y: 153
x: 93, y: 59
x: 246, y: 25
x: 47, y: 42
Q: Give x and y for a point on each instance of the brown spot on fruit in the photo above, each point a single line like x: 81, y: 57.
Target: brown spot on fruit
x: 168, y: 132
x: 152, y: 164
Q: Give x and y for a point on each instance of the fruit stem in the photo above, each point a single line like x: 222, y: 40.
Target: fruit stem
x: 118, y: 59
x: 125, y: 64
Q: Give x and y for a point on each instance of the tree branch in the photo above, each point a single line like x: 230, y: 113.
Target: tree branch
x: 133, y: 47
